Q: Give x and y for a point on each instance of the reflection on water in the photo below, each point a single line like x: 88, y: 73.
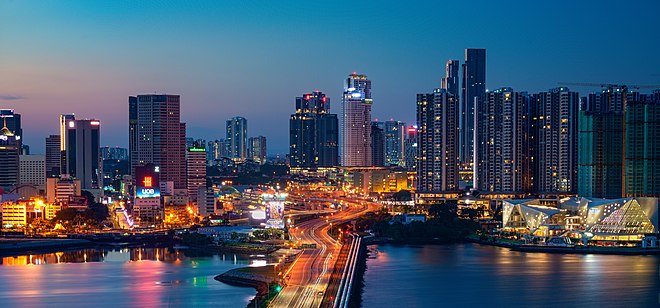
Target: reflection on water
x: 475, y: 275
x: 149, y: 277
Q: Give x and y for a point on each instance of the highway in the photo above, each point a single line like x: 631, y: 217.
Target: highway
x: 309, y: 276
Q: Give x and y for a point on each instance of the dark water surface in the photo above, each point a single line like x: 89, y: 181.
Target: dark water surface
x: 471, y: 275
x: 142, y: 277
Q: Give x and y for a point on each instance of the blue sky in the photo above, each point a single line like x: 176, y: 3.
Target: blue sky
x: 228, y: 58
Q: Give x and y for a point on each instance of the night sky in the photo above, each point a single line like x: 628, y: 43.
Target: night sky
x: 228, y: 58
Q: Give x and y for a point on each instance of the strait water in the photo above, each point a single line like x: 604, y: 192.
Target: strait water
x: 471, y: 275
x: 135, y: 277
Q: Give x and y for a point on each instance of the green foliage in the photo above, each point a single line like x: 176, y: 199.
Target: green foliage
x: 268, y: 234
x: 442, y: 225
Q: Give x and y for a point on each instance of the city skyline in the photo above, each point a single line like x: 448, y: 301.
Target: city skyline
x: 215, y: 55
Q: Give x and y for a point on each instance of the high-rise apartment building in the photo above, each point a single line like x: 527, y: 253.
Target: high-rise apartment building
x: 313, y: 132
x: 237, y: 138
x: 502, y: 155
x: 642, y: 148
x: 451, y: 80
x: 395, y: 132
x: 553, y: 140
x: 377, y: 144
x: 356, y: 121
x: 410, y: 148
x: 257, y: 149
x: 53, y: 156
x: 196, y: 171
x: 437, y: 140
x: 157, y: 136
x: 83, y: 153
x: 472, y: 90
x: 600, y: 155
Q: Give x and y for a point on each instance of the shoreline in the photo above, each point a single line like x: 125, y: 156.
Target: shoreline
x: 248, y: 277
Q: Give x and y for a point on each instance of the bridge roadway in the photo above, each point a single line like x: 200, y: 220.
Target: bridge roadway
x: 309, y: 276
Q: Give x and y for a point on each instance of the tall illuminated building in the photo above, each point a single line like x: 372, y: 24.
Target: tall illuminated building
x: 83, y: 153
x: 356, y: 121
x: 237, y: 138
x: 502, y: 154
x: 157, y: 136
x: 377, y: 144
x: 9, y: 156
x: 395, y: 132
x: 437, y: 140
x: 14, y: 125
x: 196, y: 171
x: 257, y: 149
x: 313, y: 132
x: 472, y: 89
x: 64, y: 122
x: 451, y: 80
x: 53, y: 156
x: 554, y: 124
x: 410, y: 148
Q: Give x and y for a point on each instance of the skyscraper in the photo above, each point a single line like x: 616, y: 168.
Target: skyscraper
x: 356, y: 121
x: 437, y: 139
x: 33, y: 170
x: 83, y: 153
x: 9, y: 152
x: 450, y: 81
x: 313, y: 132
x: 157, y: 136
x: 196, y: 171
x: 555, y: 141
x: 395, y: 132
x: 257, y: 149
x: 237, y: 138
x: 14, y: 125
x: 642, y: 148
x: 377, y: 144
x: 502, y: 147
x: 600, y: 158
x: 473, y: 88
x: 64, y: 124
x: 410, y: 148
x: 53, y: 156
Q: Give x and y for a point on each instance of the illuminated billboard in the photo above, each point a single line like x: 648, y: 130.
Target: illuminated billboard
x: 274, y: 210
x: 147, y: 184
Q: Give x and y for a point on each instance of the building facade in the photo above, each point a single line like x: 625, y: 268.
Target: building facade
x: 472, y: 90
x: 53, y: 156
x: 313, y: 132
x: 10, y: 149
x: 237, y: 138
x: 356, y: 121
x: 196, y: 171
x: 32, y: 170
x: 502, y: 155
x: 554, y: 141
x: 642, y: 148
x: 395, y: 136
x: 437, y: 139
x: 83, y: 155
x: 257, y: 149
x: 377, y: 144
x: 157, y: 136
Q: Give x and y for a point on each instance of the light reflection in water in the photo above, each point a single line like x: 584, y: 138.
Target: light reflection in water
x: 475, y: 275
x: 149, y: 277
